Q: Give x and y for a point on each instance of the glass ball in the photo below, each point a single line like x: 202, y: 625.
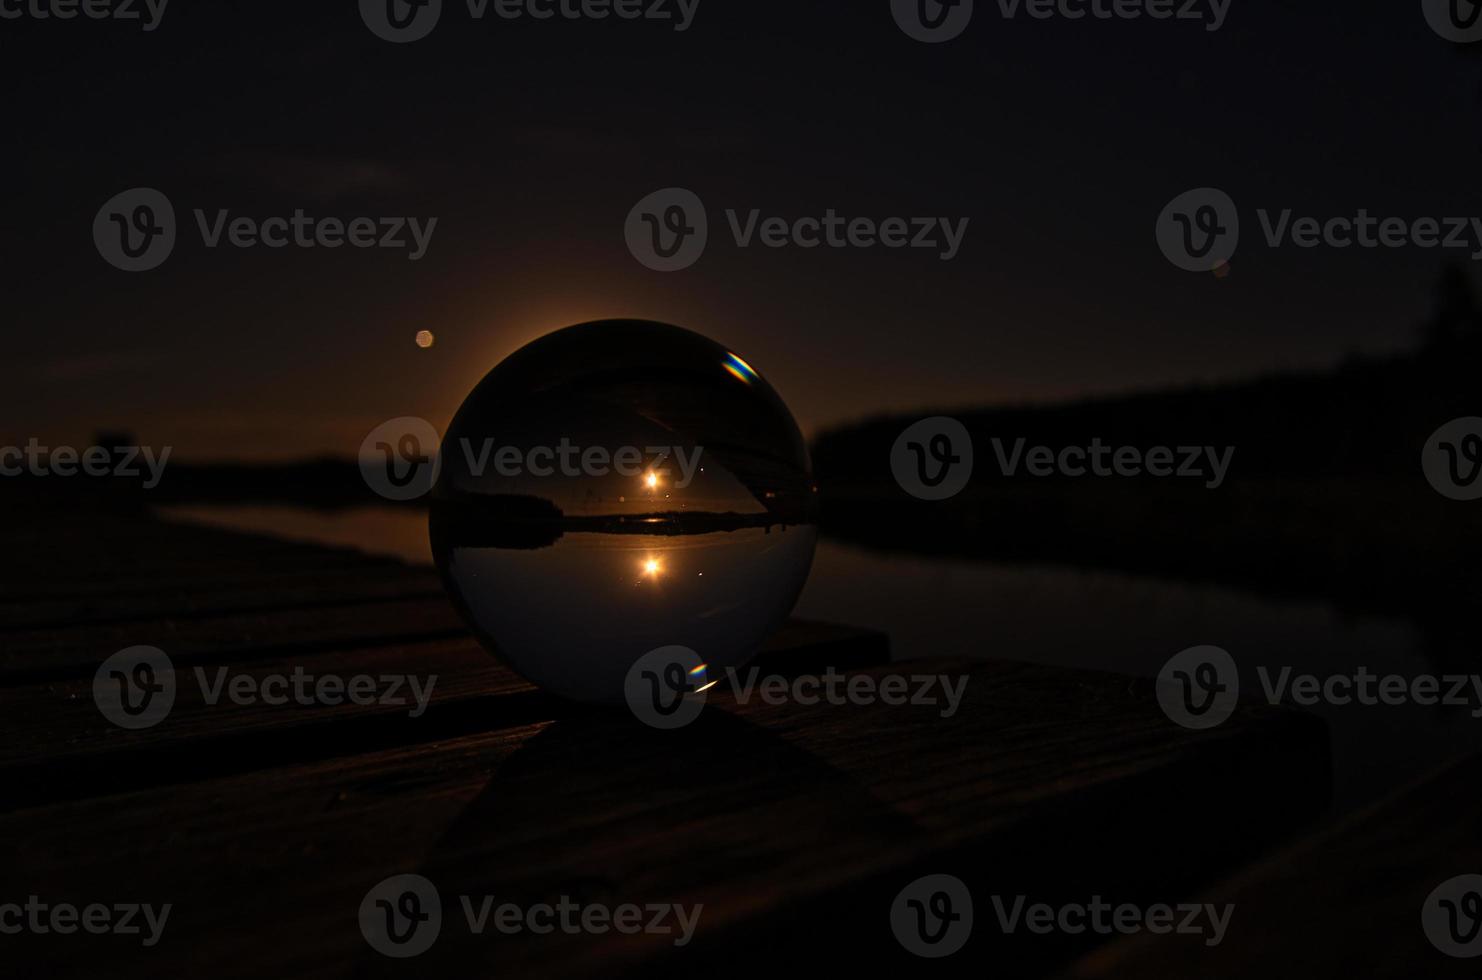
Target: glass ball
x: 615, y: 488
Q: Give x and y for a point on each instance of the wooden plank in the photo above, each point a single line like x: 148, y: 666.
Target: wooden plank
x: 1347, y: 902
x: 62, y: 747
x: 263, y: 609
x: 70, y: 553
x: 794, y: 825
x: 32, y: 655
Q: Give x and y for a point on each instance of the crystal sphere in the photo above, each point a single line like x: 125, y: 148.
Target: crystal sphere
x: 617, y: 487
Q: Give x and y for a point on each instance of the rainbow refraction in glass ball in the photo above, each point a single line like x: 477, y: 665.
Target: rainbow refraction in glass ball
x: 617, y: 487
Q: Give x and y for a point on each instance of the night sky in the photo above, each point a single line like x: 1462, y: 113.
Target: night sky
x: 531, y: 141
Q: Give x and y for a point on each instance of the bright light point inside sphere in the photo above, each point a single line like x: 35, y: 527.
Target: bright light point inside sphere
x: 652, y: 480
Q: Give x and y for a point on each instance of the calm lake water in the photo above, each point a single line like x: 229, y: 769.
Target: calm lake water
x: 1126, y: 624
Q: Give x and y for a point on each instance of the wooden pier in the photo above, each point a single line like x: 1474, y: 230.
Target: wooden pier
x: 795, y: 826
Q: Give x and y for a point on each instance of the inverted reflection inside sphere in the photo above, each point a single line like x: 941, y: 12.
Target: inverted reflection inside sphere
x: 617, y: 487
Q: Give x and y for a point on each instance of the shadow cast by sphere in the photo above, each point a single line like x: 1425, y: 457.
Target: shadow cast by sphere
x: 597, y: 809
